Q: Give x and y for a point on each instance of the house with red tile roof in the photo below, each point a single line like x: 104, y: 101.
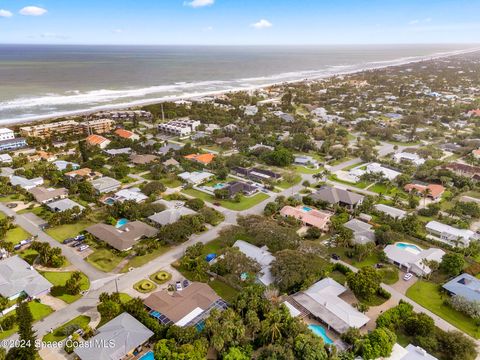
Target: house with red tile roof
x: 203, y: 159
x: 474, y: 113
x: 97, y: 140
x: 126, y: 134
x: 434, y: 191
x: 308, y: 216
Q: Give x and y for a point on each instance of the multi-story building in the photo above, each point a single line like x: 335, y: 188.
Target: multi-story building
x: 6, y: 134
x: 97, y: 126
x: 12, y: 144
x: 179, y: 127
x: 61, y: 127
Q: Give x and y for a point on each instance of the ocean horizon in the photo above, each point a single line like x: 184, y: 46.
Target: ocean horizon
x: 41, y: 81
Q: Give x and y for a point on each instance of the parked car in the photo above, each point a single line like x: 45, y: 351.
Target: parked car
x: 335, y: 257
x: 77, y: 244
x: 80, y: 237
x: 68, y: 240
x: 379, y: 265
x: 407, y: 276
x: 185, y: 283
x: 83, y: 247
x: 178, y: 286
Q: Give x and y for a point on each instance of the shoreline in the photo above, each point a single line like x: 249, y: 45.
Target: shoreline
x: 138, y: 103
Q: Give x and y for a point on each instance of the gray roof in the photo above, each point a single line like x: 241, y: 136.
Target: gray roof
x: 169, y: 216
x: 42, y: 194
x: 105, y: 184
x: 392, y: 211
x: 464, y: 285
x: 63, y: 204
x: 166, y: 148
x: 114, y: 152
x: 362, y: 232
x: 334, y: 195
x: 125, y: 333
x: 16, y: 275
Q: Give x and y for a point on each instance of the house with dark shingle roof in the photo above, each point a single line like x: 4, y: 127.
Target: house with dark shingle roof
x: 337, y: 196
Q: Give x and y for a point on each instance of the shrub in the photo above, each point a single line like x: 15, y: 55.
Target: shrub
x: 383, y: 293
x: 69, y: 329
x: 344, y: 269
x: 8, y: 322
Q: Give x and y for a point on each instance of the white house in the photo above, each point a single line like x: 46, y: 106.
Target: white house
x: 412, y: 258
x: 449, y: 234
x: 6, y: 134
x: 390, y: 210
x: 25, y: 183
x: 408, y: 157
x: 262, y: 256
x: 130, y: 194
x: 196, y: 177
x: 304, y: 160
x: 390, y: 174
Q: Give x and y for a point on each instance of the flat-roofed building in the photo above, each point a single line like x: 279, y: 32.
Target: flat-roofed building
x: 105, y: 184
x: 61, y: 127
x: 6, y: 134
x: 97, y: 126
x: 179, y: 127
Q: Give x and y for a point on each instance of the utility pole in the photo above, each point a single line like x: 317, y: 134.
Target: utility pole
x: 163, y: 114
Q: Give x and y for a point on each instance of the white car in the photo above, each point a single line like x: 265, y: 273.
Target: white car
x: 407, y: 276
x: 178, y: 286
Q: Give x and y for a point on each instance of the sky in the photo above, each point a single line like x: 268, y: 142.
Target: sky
x: 239, y: 22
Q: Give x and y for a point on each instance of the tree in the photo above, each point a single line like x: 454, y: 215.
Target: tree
x: 452, y: 263
x: 365, y: 283
x: 235, y: 353
x: 456, y: 346
x: 419, y: 325
x: 26, y: 334
x: 308, y: 347
x: 73, y: 285
x: 153, y: 187
x: 195, y: 204
x: 378, y: 343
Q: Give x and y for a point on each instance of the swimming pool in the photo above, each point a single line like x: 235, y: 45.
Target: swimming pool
x: 109, y: 201
x: 218, y: 186
x: 306, y: 208
x: 320, y: 331
x: 408, y: 247
x: 121, y: 222
x: 147, y: 356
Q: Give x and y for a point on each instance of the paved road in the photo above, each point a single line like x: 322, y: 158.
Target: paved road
x: 71, y: 254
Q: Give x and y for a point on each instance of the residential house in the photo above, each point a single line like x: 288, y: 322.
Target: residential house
x: 238, y: 187
x: 256, y: 174
x: 196, y: 177
x: 433, y: 191
x: 120, y: 151
x: 62, y: 165
x: 323, y: 302
x: 412, y: 158
x: 115, y: 340
x: 362, y: 231
x: 5, y: 159
x: 188, y: 307
x: 25, y: 183
x: 42, y: 155
x: 105, y: 184
x: 131, y: 194
x: 412, y: 258
x: 171, y: 163
x: 173, y: 212
x: 464, y: 170
x: 411, y: 352
x: 336, y: 196
x: 262, y: 256
x: 6, y: 134
x: 142, y: 159
x: 388, y: 173
x: 304, y: 160
x: 261, y: 147
x: 97, y: 140
x: 169, y: 147
x: 308, y: 216
x: 84, y: 173
x: 126, y: 134
x: 464, y: 285
x: 449, y: 234
x: 18, y: 278
x: 203, y: 159
x: 391, y: 211
x: 63, y: 205
x: 124, y: 237
x: 43, y: 195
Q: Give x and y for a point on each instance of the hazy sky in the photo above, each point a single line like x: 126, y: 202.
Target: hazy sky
x: 239, y: 21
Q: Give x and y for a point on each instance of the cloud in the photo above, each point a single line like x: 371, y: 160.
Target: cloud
x: 262, y: 24
x: 199, y: 3
x: 32, y: 11
x: 118, y: 31
x: 5, y: 13
x: 420, y: 21
x: 208, y: 28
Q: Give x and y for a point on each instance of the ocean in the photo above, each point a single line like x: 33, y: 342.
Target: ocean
x: 40, y: 81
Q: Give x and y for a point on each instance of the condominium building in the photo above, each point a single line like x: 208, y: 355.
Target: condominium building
x: 6, y: 134
x: 97, y: 126
x: 61, y: 127
x: 179, y: 127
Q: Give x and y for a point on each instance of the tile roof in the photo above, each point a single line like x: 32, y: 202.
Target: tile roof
x: 201, y: 158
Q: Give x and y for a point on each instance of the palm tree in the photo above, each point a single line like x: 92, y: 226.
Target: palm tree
x: 426, y: 193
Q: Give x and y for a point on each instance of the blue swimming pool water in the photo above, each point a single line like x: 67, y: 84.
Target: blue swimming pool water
x: 306, y: 208
x: 147, y: 356
x: 320, y: 331
x: 109, y: 201
x: 121, y: 222
x: 408, y: 246
x: 218, y: 186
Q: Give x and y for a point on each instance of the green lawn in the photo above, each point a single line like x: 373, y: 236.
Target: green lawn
x: 16, y: 235
x: 81, y: 321
x: 339, y: 161
x: 145, y: 286
x: 39, y: 311
x: 223, y: 290
x: 338, y: 277
x: 124, y: 297
x: 12, y: 197
x: 360, y: 184
x: 244, y: 204
x: 40, y: 211
x: 283, y: 184
x: 429, y: 296
x: 138, y: 261
x: 171, y: 183
x: 59, y: 279
x: 104, y: 259
x: 63, y: 232
x: 306, y: 170
x: 389, y: 275
x: 28, y: 255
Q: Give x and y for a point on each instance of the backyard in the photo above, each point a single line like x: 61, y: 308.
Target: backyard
x: 104, y: 259
x: 39, y: 311
x: 63, y: 232
x: 138, y: 261
x: 58, y: 334
x: 16, y: 235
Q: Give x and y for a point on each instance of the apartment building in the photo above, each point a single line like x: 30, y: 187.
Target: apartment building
x: 61, y: 127
x: 97, y: 126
